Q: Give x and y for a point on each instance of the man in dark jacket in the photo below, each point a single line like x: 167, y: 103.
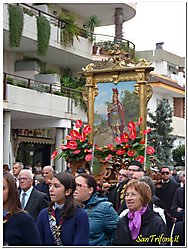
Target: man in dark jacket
x: 47, y: 173
x: 114, y: 192
x: 32, y: 200
x: 166, y: 193
x: 178, y: 204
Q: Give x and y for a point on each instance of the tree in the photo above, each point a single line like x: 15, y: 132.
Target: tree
x: 119, y: 20
x: 178, y: 155
x: 131, y: 106
x: 160, y: 137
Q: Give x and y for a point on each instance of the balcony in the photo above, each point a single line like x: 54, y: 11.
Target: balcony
x: 104, y: 45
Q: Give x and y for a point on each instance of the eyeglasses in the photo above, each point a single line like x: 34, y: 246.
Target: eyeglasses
x: 23, y: 179
x: 167, y: 173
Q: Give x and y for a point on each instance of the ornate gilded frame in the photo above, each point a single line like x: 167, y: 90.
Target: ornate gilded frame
x: 116, y: 69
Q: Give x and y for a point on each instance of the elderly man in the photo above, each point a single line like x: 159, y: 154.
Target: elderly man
x: 115, y: 191
x: 32, y: 200
x: 47, y: 173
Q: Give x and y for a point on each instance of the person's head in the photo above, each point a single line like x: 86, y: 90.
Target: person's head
x: 134, y: 166
x: 80, y: 171
x: 182, y: 176
x: 149, y: 181
x: 137, y: 174
x: 17, y: 167
x: 122, y: 175
x: 115, y: 95
x: 86, y: 186
x: 165, y: 173
x: 6, y: 168
x: 25, y: 179
x: 62, y: 187
x: 137, y: 195
x: 47, y: 173
x: 11, y: 200
x: 174, y: 171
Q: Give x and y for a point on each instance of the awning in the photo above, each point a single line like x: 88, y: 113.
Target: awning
x: 35, y: 140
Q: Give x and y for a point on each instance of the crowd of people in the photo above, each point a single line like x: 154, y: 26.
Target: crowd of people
x: 42, y: 207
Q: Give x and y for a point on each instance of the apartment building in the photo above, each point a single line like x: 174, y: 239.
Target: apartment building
x: 36, y: 118
x: 168, y: 82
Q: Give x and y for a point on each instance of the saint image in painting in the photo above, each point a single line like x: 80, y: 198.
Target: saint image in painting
x: 114, y: 107
x: 116, y: 113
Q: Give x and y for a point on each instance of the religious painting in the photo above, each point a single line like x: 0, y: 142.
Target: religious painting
x: 114, y: 106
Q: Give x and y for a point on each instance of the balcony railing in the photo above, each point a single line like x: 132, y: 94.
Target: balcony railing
x: 105, y: 44
x: 39, y: 86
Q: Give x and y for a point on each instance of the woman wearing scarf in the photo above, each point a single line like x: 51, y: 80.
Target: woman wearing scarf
x: 19, y: 227
x: 141, y: 226
x: 64, y: 223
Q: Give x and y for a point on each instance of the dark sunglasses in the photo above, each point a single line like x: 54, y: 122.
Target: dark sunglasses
x: 167, y: 173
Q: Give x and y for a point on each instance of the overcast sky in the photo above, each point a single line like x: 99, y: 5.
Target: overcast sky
x: 156, y: 21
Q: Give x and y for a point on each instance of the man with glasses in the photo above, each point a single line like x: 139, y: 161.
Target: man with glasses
x: 32, y: 200
x: 166, y: 193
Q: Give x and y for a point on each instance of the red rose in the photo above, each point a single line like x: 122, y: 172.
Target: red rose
x: 125, y: 137
x: 131, y: 153
x: 72, y: 145
x: 76, y: 152
x: 54, y: 154
x: 132, y: 134
x: 108, y: 157
x: 140, y: 159
x: 150, y: 150
x: 78, y: 124
x: 82, y: 137
x: 118, y: 140
x: 120, y: 152
x: 74, y: 134
x: 63, y: 147
x: 88, y: 157
x: 87, y: 129
x: 131, y: 126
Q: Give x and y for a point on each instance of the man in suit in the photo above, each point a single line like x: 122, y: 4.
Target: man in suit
x: 166, y: 193
x: 47, y: 173
x: 17, y: 167
x: 32, y: 200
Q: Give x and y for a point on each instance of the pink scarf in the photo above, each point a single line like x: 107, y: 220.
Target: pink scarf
x: 135, y: 221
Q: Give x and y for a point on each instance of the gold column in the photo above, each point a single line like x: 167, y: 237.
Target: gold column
x: 90, y: 103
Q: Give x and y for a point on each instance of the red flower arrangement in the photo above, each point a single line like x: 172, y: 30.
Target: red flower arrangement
x: 77, y: 147
x: 128, y: 145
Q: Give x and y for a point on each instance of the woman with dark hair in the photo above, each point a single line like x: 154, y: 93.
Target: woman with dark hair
x: 64, y: 222
x: 141, y: 226
x: 19, y: 228
x: 102, y: 216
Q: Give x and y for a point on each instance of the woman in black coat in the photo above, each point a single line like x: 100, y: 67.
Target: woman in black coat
x: 19, y: 227
x: 141, y: 226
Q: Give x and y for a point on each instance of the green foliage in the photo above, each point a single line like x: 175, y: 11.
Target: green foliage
x: 27, y: 11
x: 160, y: 137
x: 90, y: 25
x: 16, y: 19
x: 178, y: 155
x: 43, y: 34
x: 131, y: 105
x: 70, y: 29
